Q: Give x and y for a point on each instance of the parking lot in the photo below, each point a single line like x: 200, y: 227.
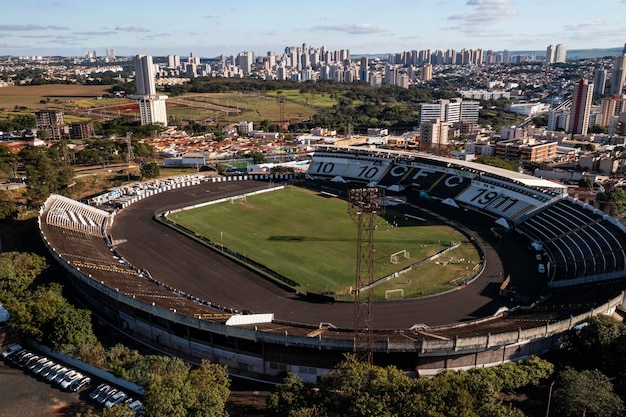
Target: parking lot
x: 32, y: 384
x: 21, y: 395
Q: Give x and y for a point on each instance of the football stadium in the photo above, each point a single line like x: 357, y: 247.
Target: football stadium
x: 540, y: 263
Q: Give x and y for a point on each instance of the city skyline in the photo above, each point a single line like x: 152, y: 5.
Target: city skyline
x: 208, y: 29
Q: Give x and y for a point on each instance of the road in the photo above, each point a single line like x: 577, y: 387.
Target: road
x: 190, y: 267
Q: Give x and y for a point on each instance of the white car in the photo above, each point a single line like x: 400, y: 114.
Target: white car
x: 69, y: 378
x: 50, y: 370
x: 116, y: 398
x: 14, y: 348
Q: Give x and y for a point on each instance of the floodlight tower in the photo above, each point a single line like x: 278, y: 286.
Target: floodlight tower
x: 364, y: 205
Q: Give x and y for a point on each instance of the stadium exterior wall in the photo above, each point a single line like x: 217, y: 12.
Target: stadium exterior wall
x: 308, y: 357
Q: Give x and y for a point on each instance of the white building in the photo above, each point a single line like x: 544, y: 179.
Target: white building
x: 451, y: 111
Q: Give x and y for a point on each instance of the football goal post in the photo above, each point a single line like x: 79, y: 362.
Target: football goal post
x: 396, y: 294
x: 395, y: 258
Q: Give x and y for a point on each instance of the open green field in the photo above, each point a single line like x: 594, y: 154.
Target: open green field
x: 310, y: 99
x: 255, y: 107
x: 312, y: 240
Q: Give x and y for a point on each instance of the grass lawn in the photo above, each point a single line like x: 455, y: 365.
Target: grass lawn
x: 311, y: 99
x: 255, y: 107
x: 312, y: 240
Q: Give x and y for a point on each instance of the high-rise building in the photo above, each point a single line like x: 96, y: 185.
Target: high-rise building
x: 427, y: 72
x: 550, y: 53
x: 560, y: 53
x: 599, y: 82
x: 581, y: 108
x: 144, y: 75
x: 151, y: 105
x: 610, y: 108
x: 173, y: 61
x: 506, y: 57
x: 619, y: 73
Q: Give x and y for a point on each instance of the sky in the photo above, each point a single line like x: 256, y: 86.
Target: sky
x: 209, y: 28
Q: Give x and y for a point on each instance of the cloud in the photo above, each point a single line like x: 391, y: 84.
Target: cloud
x: 482, y: 15
x: 131, y: 29
x: 487, y: 2
x: 29, y: 27
x: 96, y: 33
x: 358, y: 29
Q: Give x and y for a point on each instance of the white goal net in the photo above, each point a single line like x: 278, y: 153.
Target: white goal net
x: 395, y: 258
x: 396, y: 294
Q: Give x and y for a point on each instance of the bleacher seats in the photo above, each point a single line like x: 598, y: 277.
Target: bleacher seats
x: 579, y: 241
x: 73, y: 215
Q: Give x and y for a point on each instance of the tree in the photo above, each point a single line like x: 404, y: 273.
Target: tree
x: 8, y: 207
x: 8, y: 161
x: 585, y: 183
x: 289, y: 396
x: 172, y: 388
x: 614, y: 200
x: 18, y: 271
x: 71, y: 330
x: 209, y: 390
x: 586, y: 392
x: 257, y: 157
x: 150, y: 170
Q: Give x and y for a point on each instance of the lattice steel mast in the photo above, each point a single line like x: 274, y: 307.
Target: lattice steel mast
x: 364, y: 205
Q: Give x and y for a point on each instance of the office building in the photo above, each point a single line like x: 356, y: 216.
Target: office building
x: 581, y: 108
x: 152, y: 107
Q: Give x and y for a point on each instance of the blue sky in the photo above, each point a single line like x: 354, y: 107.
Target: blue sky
x: 211, y: 27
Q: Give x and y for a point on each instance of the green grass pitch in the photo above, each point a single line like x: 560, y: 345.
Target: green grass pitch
x: 312, y: 240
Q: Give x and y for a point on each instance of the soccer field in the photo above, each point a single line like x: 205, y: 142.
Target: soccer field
x: 312, y: 240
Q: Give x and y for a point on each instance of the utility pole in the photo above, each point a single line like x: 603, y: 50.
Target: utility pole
x: 364, y: 205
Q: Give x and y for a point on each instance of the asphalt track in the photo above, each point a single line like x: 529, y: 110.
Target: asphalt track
x: 186, y: 265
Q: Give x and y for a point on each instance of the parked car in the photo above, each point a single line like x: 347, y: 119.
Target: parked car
x: 54, y: 368
x: 114, y: 399
x: 99, y: 390
x: 136, y: 406
x: 39, y: 368
x: 55, y: 373
x: 69, y: 378
x: 59, y: 376
x: 11, y: 349
x: 79, y: 384
x: 104, y: 395
x: 33, y: 364
x: 26, y: 363
x: 15, y: 358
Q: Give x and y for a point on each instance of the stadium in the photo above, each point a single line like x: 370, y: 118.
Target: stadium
x: 548, y: 263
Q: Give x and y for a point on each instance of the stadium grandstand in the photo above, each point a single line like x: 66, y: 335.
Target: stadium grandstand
x: 169, y: 291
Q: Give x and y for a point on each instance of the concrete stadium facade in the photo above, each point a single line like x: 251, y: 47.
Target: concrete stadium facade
x: 266, y: 344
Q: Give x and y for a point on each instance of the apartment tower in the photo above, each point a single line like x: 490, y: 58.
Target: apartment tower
x: 619, y: 74
x: 151, y: 105
x: 581, y: 108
